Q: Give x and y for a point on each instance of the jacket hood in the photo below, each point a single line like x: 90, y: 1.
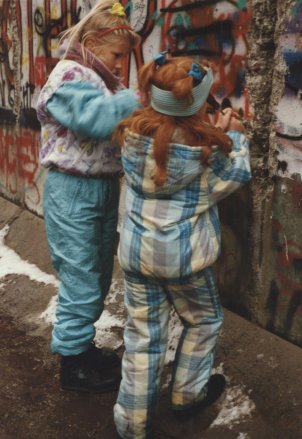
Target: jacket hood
x: 183, y: 166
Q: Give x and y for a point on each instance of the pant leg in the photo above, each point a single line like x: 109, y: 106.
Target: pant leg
x: 198, y: 306
x: 109, y: 235
x: 145, y: 337
x: 79, y: 213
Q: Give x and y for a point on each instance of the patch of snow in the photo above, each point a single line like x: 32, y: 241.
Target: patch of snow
x: 109, y: 327
x: 117, y: 289
x: 11, y: 263
x: 236, y: 407
x: 174, y: 332
x: 218, y: 369
x: 105, y: 335
x: 260, y: 356
x: 49, y: 315
x: 243, y: 436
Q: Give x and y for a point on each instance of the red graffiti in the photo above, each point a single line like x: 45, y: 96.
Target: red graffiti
x: 19, y: 164
x: 146, y: 27
x: 40, y: 72
x: 220, y: 38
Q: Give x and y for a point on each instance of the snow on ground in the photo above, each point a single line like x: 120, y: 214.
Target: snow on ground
x: 11, y: 263
x: 236, y: 407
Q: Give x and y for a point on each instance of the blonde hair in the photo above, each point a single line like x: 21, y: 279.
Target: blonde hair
x: 172, y: 76
x: 98, y: 20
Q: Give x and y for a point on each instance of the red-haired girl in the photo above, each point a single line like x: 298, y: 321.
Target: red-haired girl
x: 177, y: 168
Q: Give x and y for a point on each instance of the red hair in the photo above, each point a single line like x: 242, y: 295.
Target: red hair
x: 172, y: 76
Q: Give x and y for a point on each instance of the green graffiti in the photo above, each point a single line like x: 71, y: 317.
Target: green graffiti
x: 179, y: 20
x: 161, y: 21
x: 154, y: 16
x: 129, y: 7
x: 188, y: 21
x: 296, y: 7
x: 241, y: 4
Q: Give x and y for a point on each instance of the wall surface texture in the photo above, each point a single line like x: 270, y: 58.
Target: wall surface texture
x: 255, y: 47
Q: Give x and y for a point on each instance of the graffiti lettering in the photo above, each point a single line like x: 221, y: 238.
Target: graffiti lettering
x: 19, y: 162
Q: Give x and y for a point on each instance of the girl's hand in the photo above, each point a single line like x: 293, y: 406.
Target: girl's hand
x: 235, y: 123
x: 224, y: 118
x: 229, y: 119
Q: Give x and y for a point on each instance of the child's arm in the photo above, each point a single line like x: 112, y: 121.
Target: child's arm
x: 84, y: 109
x: 227, y: 173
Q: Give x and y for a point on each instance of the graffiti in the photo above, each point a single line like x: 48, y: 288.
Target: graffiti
x: 288, y: 116
x: 211, y: 29
x: 141, y: 15
x: 10, y: 36
x: 199, y: 28
x: 38, y: 28
x: 19, y: 162
x: 49, y: 27
x: 284, y: 302
x: 214, y: 30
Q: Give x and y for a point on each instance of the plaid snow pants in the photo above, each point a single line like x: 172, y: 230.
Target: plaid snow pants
x: 148, y: 303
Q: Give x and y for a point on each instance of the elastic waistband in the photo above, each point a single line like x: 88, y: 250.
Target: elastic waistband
x: 102, y: 176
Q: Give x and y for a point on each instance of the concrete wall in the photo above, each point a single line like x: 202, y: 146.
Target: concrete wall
x: 254, y: 46
x: 282, y: 298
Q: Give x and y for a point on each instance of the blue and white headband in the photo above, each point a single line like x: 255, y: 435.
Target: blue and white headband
x: 165, y: 102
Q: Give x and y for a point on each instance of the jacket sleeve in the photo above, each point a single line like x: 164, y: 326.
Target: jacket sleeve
x: 84, y: 109
x: 227, y: 173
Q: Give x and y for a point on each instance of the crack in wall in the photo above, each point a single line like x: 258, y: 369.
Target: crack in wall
x: 265, y: 84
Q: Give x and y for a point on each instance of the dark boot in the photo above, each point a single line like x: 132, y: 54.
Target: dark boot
x: 216, y: 386
x: 101, y: 357
x: 91, y: 371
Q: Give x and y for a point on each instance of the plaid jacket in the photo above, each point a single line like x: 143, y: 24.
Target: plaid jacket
x: 173, y: 231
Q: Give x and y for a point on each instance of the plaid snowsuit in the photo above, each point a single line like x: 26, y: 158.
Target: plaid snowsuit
x: 170, y: 238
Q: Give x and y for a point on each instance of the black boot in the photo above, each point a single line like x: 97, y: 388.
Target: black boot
x: 216, y: 386
x: 101, y: 357
x: 91, y: 371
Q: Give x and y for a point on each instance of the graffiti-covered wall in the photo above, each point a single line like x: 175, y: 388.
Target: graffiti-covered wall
x: 284, y: 295
x: 255, y: 50
x: 29, y: 51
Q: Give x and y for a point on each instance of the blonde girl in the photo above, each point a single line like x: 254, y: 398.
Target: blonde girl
x: 78, y: 108
x: 177, y: 168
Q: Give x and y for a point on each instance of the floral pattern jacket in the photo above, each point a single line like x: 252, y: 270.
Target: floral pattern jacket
x: 78, y: 115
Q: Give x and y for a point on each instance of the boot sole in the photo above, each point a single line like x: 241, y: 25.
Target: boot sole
x: 108, y: 389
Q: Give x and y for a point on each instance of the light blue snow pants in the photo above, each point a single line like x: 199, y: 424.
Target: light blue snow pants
x: 148, y: 303
x: 81, y: 218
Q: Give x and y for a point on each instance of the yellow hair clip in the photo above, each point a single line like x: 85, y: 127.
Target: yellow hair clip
x: 118, y: 9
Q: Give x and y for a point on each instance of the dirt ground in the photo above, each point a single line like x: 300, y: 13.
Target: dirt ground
x: 33, y: 406
x: 262, y: 370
